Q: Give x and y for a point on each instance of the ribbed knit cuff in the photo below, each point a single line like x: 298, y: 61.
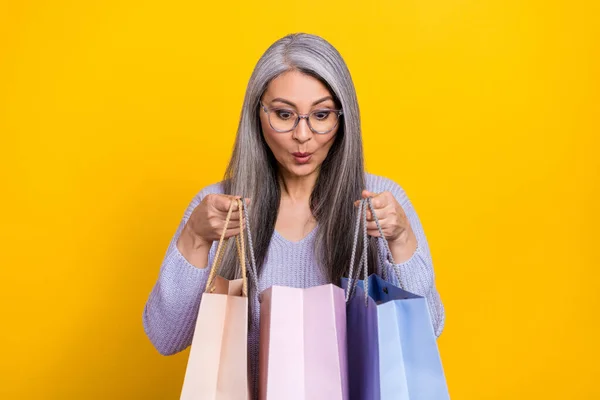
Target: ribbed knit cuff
x: 172, y: 308
x: 415, y: 274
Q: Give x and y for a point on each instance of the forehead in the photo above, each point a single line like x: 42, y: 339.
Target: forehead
x: 297, y: 87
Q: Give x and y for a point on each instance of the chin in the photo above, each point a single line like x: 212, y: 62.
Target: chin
x: 302, y: 170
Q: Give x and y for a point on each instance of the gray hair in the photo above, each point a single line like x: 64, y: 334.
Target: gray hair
x: 253, y: 172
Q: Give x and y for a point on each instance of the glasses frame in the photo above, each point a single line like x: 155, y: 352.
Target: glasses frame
x: 305, y: 116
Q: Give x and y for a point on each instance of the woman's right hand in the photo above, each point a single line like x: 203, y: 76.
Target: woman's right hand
x: 206, y: 224
x: 208, y: 218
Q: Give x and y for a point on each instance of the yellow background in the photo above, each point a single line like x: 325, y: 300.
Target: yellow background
x: 114, y: 114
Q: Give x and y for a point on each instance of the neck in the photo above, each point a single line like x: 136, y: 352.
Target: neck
x: 297, y: 188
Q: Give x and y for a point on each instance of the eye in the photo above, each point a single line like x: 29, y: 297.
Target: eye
x: 322, y: 114
x: 284, y: 114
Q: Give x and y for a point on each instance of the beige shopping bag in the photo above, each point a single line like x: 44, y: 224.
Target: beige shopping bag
x: 217, y: 366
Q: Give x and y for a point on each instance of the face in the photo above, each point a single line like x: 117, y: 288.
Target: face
x: 299, y: 152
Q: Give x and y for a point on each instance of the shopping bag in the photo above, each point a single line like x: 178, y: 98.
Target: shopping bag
x: 217, y: 363
x: 302, y: 350
x: 393, y: 353
x: 302, y: 346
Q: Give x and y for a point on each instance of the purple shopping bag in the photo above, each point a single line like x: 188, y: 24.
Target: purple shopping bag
x: 363, y: 346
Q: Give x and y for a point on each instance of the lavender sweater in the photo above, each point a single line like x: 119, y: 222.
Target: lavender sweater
x: 170, y: 313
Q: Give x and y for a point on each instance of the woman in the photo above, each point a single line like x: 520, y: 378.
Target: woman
x: 298, y: 160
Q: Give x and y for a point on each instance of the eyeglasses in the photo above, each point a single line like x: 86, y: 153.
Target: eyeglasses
x: 319, y: 121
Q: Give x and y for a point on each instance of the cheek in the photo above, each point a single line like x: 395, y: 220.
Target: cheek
x: 274, y: 139
x: 325, y: 143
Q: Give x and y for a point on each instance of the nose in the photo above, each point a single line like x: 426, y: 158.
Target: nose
x: 302, y: 133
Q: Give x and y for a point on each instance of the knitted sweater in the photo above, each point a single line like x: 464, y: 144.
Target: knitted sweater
x: 170, y: 313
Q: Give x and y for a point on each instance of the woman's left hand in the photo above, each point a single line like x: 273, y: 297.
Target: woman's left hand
x: 394, y: 224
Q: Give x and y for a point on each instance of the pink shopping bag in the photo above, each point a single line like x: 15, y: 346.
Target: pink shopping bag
x: 303, y: 344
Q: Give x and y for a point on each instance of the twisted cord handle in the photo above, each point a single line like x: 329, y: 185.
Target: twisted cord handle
x: 385, y: 243
x: 253, y: 272
x: 240, y: 246
x: 363, y: 264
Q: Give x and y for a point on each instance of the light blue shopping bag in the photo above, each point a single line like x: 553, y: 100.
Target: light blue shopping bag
x: 392, y: 353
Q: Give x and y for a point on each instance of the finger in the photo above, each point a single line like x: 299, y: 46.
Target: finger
x: 235, y: 216
x: 381, y: 214
x: 366, y: 193
x: 236, y: 205
x: 373, y: 232
x: 372, y: 225
x: 221, y: 216
x: 231, y: 233
x: 232, y: 225
x: 222, y: 202
x: 379, y: 201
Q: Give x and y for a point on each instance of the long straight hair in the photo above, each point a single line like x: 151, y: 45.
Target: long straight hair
x: 253, y: 171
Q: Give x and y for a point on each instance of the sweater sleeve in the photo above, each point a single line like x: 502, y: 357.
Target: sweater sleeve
x: 170, y: 313
x: 416, y: 274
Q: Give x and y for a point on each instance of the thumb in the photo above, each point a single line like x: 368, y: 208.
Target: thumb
x: 366, y: 193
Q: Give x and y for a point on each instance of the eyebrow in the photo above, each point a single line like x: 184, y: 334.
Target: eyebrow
x: 279, y: 99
